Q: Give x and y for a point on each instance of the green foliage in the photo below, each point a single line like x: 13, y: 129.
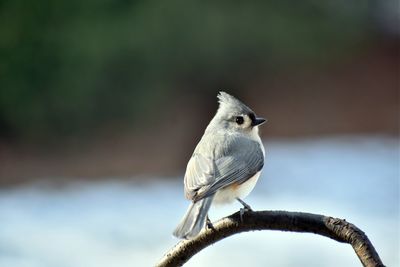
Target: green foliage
x: 68, y: 66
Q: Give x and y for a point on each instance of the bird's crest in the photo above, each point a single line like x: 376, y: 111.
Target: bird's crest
x: 228, y: 102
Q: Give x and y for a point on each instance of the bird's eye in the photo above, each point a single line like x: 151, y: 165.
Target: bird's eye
x: 239, y: 120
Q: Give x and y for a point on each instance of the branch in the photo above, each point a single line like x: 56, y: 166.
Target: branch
x: 336, y: 229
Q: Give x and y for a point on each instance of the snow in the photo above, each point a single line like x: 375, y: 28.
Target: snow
x: 130, y: 224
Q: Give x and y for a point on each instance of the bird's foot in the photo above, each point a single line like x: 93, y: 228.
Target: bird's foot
x: 209, y: 224
x: 246, y: 208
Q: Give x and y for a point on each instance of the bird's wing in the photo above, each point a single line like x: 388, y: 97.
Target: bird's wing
x: 199, y: 173
x: 240, y: 160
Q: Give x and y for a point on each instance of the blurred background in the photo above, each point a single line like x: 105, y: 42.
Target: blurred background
x: 102, y: 103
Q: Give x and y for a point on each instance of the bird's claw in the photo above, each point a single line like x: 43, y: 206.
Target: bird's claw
x: 245, y: 208
x: 209, y: 224
x: 242, y: 211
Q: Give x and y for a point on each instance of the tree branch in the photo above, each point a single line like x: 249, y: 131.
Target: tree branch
x: 334, y: 228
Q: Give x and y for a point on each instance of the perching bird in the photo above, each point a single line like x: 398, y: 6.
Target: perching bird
x: 225, y: 164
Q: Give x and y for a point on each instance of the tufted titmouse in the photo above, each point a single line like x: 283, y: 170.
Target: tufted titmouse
x: 225, y: 164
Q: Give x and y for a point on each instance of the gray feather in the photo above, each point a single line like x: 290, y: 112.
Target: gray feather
x: 199, y: 172
x: 225, y: 155
x: 235, y: 159
x: 229, y: 104
x: 194, y: 220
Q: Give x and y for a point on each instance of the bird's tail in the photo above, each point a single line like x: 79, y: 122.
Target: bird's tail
x: 194, y: 219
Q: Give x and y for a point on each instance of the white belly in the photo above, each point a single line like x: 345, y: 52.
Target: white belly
x: 230, y: 193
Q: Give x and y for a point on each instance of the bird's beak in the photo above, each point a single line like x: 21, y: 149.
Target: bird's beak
x: 258, y: 121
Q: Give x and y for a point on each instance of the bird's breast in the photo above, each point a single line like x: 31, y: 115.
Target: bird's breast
x: 236, y: 190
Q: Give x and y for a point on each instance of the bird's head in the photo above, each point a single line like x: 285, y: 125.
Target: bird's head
x: 234, y: 115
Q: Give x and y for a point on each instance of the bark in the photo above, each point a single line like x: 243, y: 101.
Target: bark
x: 337, y: 229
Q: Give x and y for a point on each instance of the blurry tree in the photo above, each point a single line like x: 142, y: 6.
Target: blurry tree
x: 72, y: 66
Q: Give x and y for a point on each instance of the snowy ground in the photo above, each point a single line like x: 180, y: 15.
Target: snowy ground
x: 130, y: 224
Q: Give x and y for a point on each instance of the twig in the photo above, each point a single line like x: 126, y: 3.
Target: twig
x: 337, y: 229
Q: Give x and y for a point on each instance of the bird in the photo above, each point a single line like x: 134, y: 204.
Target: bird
x: 224, y: 166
